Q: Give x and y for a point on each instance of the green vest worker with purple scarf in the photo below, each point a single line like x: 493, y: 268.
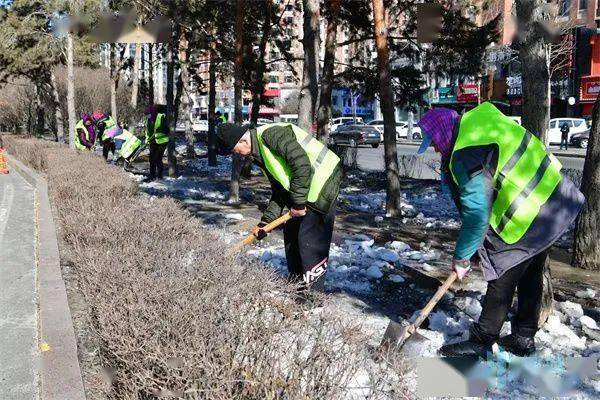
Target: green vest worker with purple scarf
x: 514, y: 204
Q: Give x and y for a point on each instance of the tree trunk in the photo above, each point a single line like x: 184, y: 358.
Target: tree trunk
x: 386, y: 96
x: 237, y: 161
x: 71, y: 91
x: 586, y: 252
x: 535, y: 75
x: 60, y: 124
x: 212, y: 94
x: 535, y: 87
x: 324, y: 112
x: 114, y: 82
x: 150, y: 73
x: 39, y: 110
x: 135, y: 83
x: 257, y: 91
x: 171, y: 117
x: 184, y: 78
x: 309, y: 92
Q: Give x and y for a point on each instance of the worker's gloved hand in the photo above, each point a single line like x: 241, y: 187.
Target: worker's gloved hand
x: 462, y: 267
x: 298, y: 211
x: 258, y: 231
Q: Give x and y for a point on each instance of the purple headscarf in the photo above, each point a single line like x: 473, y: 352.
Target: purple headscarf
x: 439, y: 124
x: 91, y: 128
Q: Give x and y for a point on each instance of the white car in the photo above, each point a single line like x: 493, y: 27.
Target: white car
x: 402, y: 132
x: 576, y: 125
x: 200, y: 125
x: 343, y: 120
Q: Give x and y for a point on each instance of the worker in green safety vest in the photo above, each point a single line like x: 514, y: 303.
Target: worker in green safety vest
x: 514, y: 204
x: 305, y: 178
x: 85, y: 133
x: 107, y: 128
x: 126, y: 144
x: 157, y: 139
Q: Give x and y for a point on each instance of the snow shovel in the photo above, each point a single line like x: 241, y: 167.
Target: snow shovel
x: 396, y: 335
x: 268, y: 228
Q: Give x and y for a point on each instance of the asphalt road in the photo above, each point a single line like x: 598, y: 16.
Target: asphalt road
x: 370, y: 159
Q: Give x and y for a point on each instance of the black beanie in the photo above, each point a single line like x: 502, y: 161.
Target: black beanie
x: 229, y: 134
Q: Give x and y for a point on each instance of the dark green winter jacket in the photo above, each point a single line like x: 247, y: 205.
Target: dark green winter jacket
x: 281, y: 140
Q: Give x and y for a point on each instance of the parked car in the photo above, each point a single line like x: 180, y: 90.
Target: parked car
x: 580, y: 139
x: 354, y: 135
x: 342, y: 120
x: 402, y: 132
x: 576, y: 125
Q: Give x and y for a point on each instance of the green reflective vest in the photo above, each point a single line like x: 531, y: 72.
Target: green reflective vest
x: 526, y: 174
x: 78, y: 144
x: 322, y: 159
x: 109, y: 122
x: 159, y: 136
x: 130, y: 145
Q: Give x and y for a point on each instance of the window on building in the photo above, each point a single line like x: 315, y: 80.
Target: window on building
x: 288, y: 20
x: 289, y: 79
x: 273, y: 79
x: 564, y: 6
x: 583, y: 5
x: 289, y: 7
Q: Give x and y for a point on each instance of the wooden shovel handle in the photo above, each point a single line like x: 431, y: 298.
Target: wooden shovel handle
x: 268, y: 228
x: 434, y: 300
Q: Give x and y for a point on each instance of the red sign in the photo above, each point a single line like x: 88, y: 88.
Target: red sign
x: 468, y: 93
x: 590, y: 87
x: 271, y: 92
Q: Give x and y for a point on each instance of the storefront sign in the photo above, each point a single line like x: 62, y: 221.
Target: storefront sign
x: 590, y: 87
x: 446, y: 94
x: 513, y: 86
x: 468, y: 93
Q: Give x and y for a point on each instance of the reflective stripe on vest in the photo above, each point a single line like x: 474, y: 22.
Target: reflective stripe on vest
x: 78, y: 144
x: 322, y: 160
x: 109, y: 122
x: 132, y: 143
x: 526, y: 174
x: 159, y: 137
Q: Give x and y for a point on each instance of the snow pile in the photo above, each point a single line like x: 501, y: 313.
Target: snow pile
x: 586, y: 294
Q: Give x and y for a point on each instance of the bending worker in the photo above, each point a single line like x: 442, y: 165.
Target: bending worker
x: 126, y: 144
x: 157, y: 138
x: 107, y: 129
x: 514, y: 204
x: 305, y: 177
x: 85, y: 133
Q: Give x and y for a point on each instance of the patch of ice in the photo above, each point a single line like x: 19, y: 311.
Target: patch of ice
x: 588, y: 322
x: 588, y: 293
x: 570, y: 309
x: 399, y: 246
x: 378, y: 218
x: 373, y: 272
x: 235, y: 216
x: 387, y: 255
x: 469, y: 305
x: 396, y: 278
x: 559, y: 337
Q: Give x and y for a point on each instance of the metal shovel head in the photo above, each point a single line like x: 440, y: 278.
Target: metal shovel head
x: 396, y: 335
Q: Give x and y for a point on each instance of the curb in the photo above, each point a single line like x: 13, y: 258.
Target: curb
x: 60, y: 374
x: 572, y: 155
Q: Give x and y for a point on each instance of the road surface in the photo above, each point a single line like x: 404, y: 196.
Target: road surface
x: 19, y: 354
x: 370, y: 159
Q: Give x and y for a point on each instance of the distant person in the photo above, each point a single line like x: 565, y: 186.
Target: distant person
x: 85, y: 133
x: 564, y: 136
x: 220, y: 118
x: 157, y: 139
x: 107, y: 128
x: 514, y: 203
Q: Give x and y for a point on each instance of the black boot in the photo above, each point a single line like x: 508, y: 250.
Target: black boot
x: 521, y: 346
x: 478, y: 345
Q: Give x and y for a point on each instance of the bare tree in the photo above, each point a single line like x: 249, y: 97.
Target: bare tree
x: 386, y: 96
x: 237, y: 161
x: 171, y: 114
x: 184, y: 78
x: 309, y: 90
x: 212, y: 94
x: 60, y: 126
x: 71, y: 91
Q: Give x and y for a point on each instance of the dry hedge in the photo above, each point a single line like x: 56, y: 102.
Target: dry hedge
x: 178, y: 317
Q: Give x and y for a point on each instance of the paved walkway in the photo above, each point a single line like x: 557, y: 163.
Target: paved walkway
x: 19, y: 351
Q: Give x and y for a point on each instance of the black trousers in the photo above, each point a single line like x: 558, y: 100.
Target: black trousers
x: 527, y: 277
x: 307, y: 240
x: 157, y: 151
x: 564, y: 142
x: 108, y: 147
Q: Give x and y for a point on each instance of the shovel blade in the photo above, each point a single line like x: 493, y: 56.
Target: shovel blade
x: 396, y: 335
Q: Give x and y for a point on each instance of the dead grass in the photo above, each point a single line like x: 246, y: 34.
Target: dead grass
x: 175, y: 314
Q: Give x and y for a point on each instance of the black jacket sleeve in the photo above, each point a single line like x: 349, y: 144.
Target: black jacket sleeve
x: 281, y: 140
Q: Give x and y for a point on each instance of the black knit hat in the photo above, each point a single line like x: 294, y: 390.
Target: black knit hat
x: 229, y: 134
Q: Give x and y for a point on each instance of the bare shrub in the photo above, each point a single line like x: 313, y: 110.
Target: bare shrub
x: 177, y: 315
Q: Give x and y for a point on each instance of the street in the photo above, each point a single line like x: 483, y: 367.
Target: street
x: 370, y: 159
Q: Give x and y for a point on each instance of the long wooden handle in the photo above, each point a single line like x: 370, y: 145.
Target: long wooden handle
x: 434, y: 300
x: 268, y: 228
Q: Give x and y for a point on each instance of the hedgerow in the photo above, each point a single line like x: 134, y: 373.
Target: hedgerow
x: 179, y: 316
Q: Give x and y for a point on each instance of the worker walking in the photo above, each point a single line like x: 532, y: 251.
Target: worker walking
x: 157, y: 138
x: 305, y: 178
x: 514, y: 204
x: 85, y: 133
x: 107, y: 128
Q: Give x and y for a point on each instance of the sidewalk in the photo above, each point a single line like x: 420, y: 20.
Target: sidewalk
x: 19, y: 354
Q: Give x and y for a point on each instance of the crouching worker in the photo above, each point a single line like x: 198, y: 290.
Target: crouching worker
x: 107, y: 129
x: 305, y: 178
x: 85, y: 133
x: 514, y: 204
x: 126, y: 144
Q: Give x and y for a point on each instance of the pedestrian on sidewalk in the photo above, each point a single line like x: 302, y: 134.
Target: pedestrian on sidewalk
x: 514, y: 204
x: 85, y: 133
x: 157, y: 138
x: 107, y: 129
x: 564, y: 136
x: 305, y: 178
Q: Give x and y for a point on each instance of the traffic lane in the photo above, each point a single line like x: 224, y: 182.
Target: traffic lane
x: 370, y: 159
